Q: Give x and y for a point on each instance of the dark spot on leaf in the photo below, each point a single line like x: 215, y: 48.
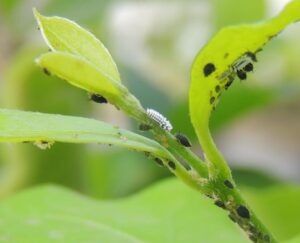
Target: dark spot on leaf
x: 183, y: 140
x: 172, y: 165
x: 228, y: 184
x: 159, y: 161
x: 98, y: 99
x: 218, y: 88
x: 208, y: 69
x: 144, y: 127
x: 46, y: 71
x: 241, y: 74
x: 243, y: 212
x: 220, y: 204
x: 226, y: 55
x: 212, y: 100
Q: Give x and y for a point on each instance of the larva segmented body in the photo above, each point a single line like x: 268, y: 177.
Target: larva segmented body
x: 160, y: 119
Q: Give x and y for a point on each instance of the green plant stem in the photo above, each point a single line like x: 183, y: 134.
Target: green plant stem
x: 183, y: 174
x: 210, y: 177
x: 217, y: 164
x: 185, y: 153
x: 215, y: 187
x: 219, y: 173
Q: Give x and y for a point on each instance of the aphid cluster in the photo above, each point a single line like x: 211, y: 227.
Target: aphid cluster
x: 239, y: 68
x: 244, y: 65
x: 160, y: 119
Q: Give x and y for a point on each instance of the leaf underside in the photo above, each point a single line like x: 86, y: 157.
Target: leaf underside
x: 21, y: 126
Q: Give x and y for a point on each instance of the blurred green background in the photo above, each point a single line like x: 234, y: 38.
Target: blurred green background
x: 256, y: 124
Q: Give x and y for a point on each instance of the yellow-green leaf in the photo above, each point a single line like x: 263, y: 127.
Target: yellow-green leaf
x: 213, y: 70
x: 85, y: 75
x: 44, y: 129
x: 79, y: 73
x: 62, y: 34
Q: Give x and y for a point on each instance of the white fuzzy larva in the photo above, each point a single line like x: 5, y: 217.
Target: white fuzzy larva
x: 160, y: 119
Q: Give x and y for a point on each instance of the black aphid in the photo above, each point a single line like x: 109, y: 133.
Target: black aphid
x: 228, y: 184
x: 98, y: 99
x: 183, y: 140
x: 252, y: 56
x: 218, y: 88
x: 241, y: 74
x: 159, y: 161
x: 144, y: 127
x: 46, y: 71
x: 208, y: 69
x: 243, y: 212
x: 212, y: 100
x: 230, y: 81
x: 172, y: 165
x: 248, y: 67
x: 220, y: 204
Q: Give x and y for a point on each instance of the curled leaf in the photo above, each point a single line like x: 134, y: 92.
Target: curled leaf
x: 230, y: 53
x: 64, y: 35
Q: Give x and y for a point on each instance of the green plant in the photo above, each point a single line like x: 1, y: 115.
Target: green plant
x: 79, y: 58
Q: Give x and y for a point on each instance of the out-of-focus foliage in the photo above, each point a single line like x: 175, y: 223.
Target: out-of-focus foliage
x: 142, y: 217
x: 275, y: 205
x: 243, y: 11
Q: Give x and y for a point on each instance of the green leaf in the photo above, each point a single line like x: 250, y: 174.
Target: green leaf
x: 213, y: 70
x: 20, y: 126
x: 168, y: 212
x: 64, y: 35
x: 79, y: 73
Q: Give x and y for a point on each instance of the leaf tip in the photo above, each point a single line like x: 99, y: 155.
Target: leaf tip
x: 36, y: 14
